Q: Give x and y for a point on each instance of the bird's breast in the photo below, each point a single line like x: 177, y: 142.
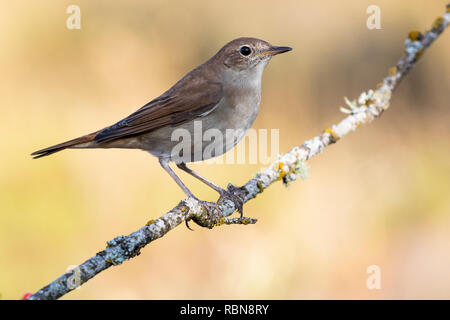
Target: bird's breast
x: 239, y: 108
x: 230, y: 119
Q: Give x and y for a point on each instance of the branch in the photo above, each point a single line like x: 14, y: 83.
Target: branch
x: 288, y: 167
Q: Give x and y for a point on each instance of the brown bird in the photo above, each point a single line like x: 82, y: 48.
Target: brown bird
x: 222, y: 94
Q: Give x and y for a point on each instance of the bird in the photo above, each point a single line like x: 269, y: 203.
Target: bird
x: 223, y: 93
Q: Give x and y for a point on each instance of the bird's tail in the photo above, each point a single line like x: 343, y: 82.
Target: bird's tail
x: 78, y: 142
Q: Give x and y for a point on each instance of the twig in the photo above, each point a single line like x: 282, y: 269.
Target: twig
x: 369, y: 106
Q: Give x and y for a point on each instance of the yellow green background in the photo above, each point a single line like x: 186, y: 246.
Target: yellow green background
x: 381, y: 196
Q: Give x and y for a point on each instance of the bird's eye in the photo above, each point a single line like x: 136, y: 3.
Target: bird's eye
x: 245, y: 51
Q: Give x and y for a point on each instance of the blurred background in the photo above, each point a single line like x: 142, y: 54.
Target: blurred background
x: 381, y: 196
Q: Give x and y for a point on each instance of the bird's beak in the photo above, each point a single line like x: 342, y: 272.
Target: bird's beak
x: 274, y: 51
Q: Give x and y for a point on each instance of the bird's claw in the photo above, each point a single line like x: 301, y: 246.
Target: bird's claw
x: 210, y: 208
x: 238, y: 202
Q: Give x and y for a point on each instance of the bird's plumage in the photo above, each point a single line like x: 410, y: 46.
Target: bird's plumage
x: 225, y: 91
x: 184, y: 102
x: 61, y: 146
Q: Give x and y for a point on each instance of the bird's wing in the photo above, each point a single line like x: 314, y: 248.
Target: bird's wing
x: 190, y: 98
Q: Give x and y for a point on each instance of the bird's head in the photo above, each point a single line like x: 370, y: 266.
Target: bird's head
x: 246, y: 53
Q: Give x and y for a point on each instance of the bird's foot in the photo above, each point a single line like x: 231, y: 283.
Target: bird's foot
x: 229, y: 195
x: 213, y: 212
x: 210, y: 207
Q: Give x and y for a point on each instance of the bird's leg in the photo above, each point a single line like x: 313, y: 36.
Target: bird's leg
x: 224, y: 194
x: 209, y: 206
